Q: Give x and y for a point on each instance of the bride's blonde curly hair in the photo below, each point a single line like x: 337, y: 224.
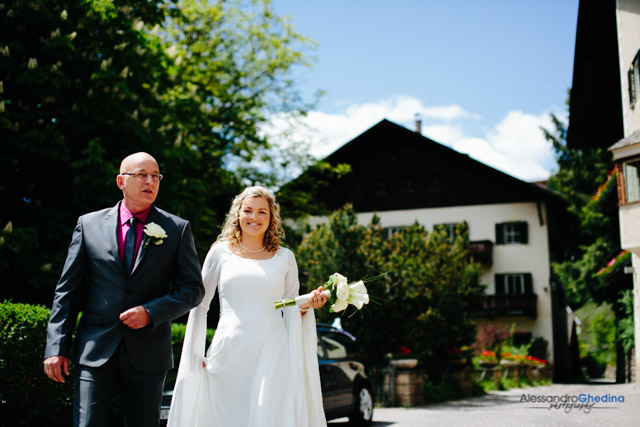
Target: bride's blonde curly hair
x: 231, y: 231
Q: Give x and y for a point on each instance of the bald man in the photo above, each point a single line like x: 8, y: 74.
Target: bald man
x: 130, y: 270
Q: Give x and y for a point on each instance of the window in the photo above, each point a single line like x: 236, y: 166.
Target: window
x: 512, y: 232
x: 408, y: 183
x: 632, y: 180
x: 521, y: 338
x: 633, y: 76
x: 450, y: 228
x: 335, y: 346
x: 383, y: 186
x: 389, y: 231
x: 514, y: 284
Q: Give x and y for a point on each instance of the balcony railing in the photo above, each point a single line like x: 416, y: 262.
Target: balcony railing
x: 482, y: 251
x: 509, y: 305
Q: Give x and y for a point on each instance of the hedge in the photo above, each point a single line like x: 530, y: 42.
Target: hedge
x: 27, y: 396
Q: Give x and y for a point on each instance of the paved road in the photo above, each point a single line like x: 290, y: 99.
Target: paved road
x: 508, y: 408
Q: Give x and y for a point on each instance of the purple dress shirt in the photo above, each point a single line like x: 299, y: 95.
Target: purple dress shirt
x: 125, y: 216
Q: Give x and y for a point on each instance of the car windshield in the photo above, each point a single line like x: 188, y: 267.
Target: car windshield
x: 336, y: 345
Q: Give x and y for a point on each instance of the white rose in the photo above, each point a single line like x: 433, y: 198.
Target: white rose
x: 155, y: 232
x: 341, y: 279
x: 339, y: 305
x: 342, y: 291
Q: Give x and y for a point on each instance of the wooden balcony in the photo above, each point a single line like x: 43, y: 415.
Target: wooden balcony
x: 482, y: 251
x: 509, y: 305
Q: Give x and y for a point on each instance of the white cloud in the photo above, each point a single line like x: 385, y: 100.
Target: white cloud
x: 520, y: 139
x: 516, y: 145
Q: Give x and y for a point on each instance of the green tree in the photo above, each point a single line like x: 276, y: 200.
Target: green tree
x: 85, y: 83
x: 425, y: 301
x: 78, y: 84
x: 586, y: 181
x: 231, y: 64
x: 626, y: 326
x: 594, y: 233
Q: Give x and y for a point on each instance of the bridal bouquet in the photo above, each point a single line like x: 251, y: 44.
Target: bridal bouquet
x: 340, y: 292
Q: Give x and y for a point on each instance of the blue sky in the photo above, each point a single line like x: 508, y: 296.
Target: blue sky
x: 482, y: 75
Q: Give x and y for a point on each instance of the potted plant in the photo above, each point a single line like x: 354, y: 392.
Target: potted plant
x: 458, y: 357
x: 403, y: 359
x: 487, y: 359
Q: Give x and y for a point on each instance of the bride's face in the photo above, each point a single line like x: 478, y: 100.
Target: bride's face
x: 254, y: 217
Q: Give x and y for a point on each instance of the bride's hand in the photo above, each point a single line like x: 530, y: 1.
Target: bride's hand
x: 317, y: 300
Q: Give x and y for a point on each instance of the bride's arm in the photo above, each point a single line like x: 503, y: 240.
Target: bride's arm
x: 305, y: 376
x: 292, y: 287
x: 194, y: 340
x: 186, y: 393
x: 291, y: 281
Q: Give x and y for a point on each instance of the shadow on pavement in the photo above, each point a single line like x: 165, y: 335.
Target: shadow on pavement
x: 340, y: 422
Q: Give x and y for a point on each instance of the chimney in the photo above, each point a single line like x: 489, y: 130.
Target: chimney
x: 418, y: 124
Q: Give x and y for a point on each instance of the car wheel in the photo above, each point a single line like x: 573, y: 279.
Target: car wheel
x: 363, y: 409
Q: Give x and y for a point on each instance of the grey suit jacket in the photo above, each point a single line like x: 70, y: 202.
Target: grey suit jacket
x: 166, y: 280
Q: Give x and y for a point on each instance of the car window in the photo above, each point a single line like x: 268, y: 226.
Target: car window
x: 335, y: 349
x: 320, y: 349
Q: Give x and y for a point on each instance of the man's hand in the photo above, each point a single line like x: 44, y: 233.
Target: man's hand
x: 136, y: 317
x: 54, y: 366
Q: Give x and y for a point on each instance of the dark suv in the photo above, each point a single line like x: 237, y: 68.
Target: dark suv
x: 345, y: 379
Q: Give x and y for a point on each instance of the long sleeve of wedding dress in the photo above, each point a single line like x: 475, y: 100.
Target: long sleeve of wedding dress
x: 303, y: 355
x: 262, y: 367
x: 190, y: 386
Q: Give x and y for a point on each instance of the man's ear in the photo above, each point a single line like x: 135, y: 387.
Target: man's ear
x: 120, y: 182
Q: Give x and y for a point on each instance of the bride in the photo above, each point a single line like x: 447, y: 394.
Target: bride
x: 261, y: 368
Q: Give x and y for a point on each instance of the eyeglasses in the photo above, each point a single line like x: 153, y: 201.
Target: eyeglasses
x: 143, y: 176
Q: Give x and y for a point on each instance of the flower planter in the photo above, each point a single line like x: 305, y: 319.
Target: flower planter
x: 405, y: 363
x: 488, y: 364
x: 409, y: 388
x: 460, y: 376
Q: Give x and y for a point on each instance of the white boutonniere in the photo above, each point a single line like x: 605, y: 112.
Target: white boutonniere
x: 155, y: 233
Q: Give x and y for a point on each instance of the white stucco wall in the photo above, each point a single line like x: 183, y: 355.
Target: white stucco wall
x: 532, y: 257
x: 628, y: 20
x: 630, y: 227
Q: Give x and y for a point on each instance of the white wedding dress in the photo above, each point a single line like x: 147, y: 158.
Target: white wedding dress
x: 262, y: 366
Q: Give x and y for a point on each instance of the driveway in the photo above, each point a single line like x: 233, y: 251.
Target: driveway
x: 554, y: 405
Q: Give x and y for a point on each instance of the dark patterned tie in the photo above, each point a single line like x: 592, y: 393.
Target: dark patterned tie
x: 130, y: 245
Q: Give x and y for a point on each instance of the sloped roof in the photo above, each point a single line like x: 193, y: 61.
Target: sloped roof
x: 632, y: 139
x: 394, y: 168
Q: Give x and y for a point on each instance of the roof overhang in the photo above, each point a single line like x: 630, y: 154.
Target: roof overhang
x: 626, y: 147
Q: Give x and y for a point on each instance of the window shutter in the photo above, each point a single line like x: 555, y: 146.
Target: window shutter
x: 631, y: 76
x: 524, y: 232
x: 528, y: 283
x: 499, y: 280
x: 499, y: 234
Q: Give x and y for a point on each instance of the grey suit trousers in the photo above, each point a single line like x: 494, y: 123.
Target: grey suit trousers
x: 94, y: 389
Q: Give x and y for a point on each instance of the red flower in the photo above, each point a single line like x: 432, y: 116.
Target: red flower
x: 405, y: 350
